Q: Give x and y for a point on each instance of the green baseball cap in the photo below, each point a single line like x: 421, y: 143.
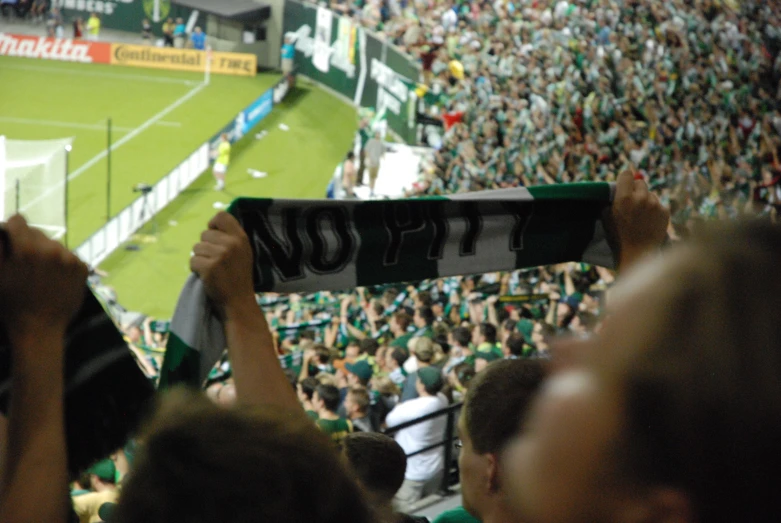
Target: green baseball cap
x: 526, y: 327
x: 431, y: 377
x: 360, y: 368
x: 104, y: 470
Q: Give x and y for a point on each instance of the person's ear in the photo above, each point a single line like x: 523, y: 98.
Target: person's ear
x: 492, y: 473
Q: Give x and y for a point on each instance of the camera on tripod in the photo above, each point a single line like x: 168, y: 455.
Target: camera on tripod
x: 143, y: 188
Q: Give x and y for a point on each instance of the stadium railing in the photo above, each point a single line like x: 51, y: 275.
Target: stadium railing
x: 451, y: 459
x: 357, y: 64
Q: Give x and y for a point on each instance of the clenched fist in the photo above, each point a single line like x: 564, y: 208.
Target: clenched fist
x: 223, y: 261
x: 639, y: 219
x: 41, y: 282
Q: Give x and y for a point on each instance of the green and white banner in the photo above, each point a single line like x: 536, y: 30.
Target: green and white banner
x: 312, y: 245
x: 343, y: 56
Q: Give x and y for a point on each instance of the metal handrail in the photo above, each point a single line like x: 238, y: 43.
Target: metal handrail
x: 447, y: 443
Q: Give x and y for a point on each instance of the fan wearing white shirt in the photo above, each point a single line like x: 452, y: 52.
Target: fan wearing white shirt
x: 424, y: 470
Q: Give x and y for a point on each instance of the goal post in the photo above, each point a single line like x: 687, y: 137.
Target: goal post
x: 33, y: 176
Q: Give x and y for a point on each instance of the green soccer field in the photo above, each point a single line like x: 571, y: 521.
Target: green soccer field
x: 159, y: 118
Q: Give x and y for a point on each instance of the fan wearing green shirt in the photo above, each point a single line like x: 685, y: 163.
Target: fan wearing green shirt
x: 484, y: 339
x: 399, y: 326
x: 423, y: 320
x: 326, y: 402
x: 494, y: 407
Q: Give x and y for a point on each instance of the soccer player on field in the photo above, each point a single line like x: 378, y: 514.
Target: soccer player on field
x: 223, y: 159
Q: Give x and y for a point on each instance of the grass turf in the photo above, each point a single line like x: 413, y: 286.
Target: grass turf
x: 300, y: 163
x: 44, y: 100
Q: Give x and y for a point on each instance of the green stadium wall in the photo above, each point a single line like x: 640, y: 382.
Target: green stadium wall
x: 124, y: 15
x: 361, y: 66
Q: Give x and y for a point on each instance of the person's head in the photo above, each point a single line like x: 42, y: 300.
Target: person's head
x: 244, y: 464
x: 429, y: 381
x: 224, y: 137
x: 460, y: 376
x: 424, y: 317
x: 484, y: 333
x: 170, y: 20
x: 514, y: 345
x: 322, y: 354
x: 326, y: 398
x: 179, y: 21
x: 400, y: 323
x: 197, y: 30
x: 103, y: 475
x: 356, y: 403
x: 424, y: 351
x: 385, y: 386
x: 395, y: 358
x: 378, y: 463
x: 672, y: 411
x: 353, y: 349
x: 350, y: 155
x: 359, y: 373
x: 460, y: 336
x: 306, y: 389
x: 368, y: 346
x: 494, y: 407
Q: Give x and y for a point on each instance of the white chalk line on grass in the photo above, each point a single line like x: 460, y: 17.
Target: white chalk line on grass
x: 119, y: 143
x: 76, y: 125
x: 101, y: 74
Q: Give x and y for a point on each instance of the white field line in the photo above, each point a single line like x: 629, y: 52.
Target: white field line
x: 122, y: 141
x: 100, y: 74
x: 75, y: 125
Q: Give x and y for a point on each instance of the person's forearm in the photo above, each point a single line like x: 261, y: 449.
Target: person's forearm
x: 257, y: 373
x: 36, y: 453
x: 355, y: 332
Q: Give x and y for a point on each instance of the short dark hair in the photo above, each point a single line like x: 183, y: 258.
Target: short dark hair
x: 462, y: 336
x: 192, y: 445
x: 424, y: 297
x: 330, y: 396
x: 360, y: 396
x: 497, y: 400
x: 400, y: 355
x: 322, y: 354
x: 515, y: 343
x: 369, y: 346
x: 308, y: 387
x: 509, y: 325
x: 427, y: 314
x: 402, y: 319
x: 488, y: 331
x: 378, y: 461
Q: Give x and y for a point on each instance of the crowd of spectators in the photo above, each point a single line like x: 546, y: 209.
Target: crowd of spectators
x: 534, y: 92
x: 541, y: 92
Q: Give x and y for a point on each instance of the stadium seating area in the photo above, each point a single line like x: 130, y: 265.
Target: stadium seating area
x: 686, y: 96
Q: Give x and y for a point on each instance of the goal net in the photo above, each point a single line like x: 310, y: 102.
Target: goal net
x: 32, y: 175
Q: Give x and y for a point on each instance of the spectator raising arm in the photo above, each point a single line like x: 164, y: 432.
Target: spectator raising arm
x: 639, y: 219
x: 223, y: 260
x: 41, y: 287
